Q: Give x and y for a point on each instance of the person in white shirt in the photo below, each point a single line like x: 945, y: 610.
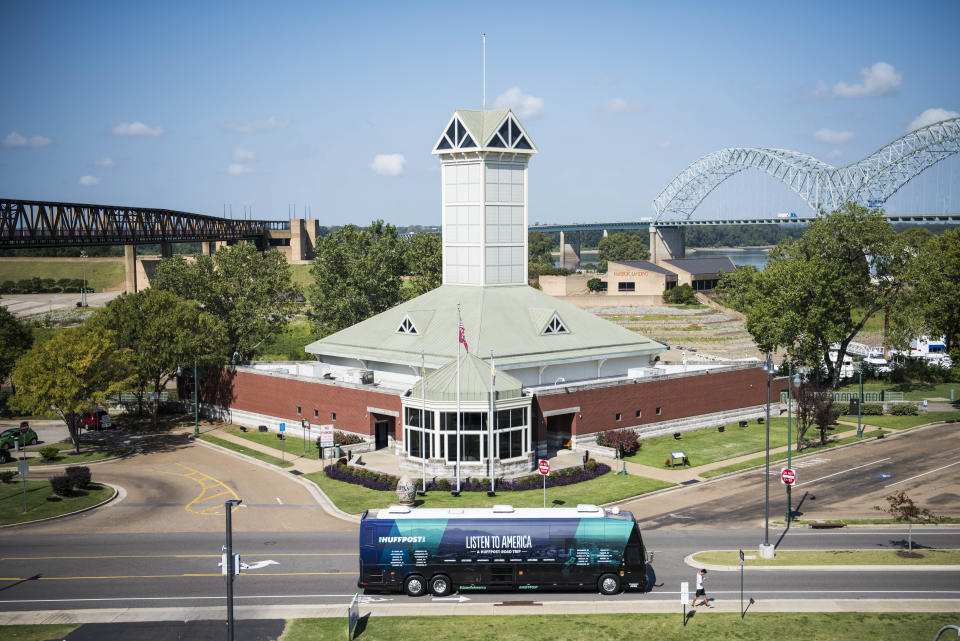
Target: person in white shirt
x: 701, y: 591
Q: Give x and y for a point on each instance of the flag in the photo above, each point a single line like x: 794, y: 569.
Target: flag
x: 463, y: 339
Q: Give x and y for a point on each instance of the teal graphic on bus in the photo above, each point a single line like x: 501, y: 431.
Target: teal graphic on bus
x: 500, y: 548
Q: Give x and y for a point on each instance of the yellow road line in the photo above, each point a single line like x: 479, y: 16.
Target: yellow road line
x: 168, y: 556
x: 160, y: 576
x: 208, y: 484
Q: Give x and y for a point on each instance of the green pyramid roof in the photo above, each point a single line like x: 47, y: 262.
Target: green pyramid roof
x: 474, y: 382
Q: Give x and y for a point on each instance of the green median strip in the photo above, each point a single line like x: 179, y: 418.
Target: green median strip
x: 42, y: 503
x: 756, y: 626
x: 864, y: 522
x: 246, y: 451
x: 37, y: 632
x: 831, y: 557
x: 904, y: 422
x: 292, y: 445
x: 608, y: 488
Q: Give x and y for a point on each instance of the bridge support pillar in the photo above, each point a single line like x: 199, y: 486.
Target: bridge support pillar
x: 569, y: 253
x: 205, y: 248
x: 667, y: 243
x: 605, y: 234
x: 130, y: 267
x: 166, y: 249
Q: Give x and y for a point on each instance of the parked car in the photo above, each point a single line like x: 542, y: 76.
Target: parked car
x: 97, y: 420
x: 22, y: 435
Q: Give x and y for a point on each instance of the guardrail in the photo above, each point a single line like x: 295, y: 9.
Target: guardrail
x: 868, y: 397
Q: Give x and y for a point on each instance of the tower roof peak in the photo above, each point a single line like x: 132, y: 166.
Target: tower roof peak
x: 487, y: 130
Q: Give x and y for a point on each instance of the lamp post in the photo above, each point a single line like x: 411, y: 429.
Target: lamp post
x: 230, y: 505
x: 860, y: 402
x: 791, y: 381
x: 83, y: 290
x: 766, y: 549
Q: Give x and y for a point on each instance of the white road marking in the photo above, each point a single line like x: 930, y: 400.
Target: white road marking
x: 279, y: 501
x: 680, y: 516
x: 924, y: 474
x: 458, y: 599
x: 799, y: 465
x: 257, y: 565
x: 845, y: 471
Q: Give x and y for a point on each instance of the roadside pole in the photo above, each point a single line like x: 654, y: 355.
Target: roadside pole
x: 684, y: 597
x: 283, y: 428
x: 22, y: 468
x: 741, y: 584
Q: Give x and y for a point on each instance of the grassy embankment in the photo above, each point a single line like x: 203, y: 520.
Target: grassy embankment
x: 756, y: 626
x: 246, y: 451
x: 830, y: 557
x: 42, y: 503
x: 90, y: 451
x: 101, y: 273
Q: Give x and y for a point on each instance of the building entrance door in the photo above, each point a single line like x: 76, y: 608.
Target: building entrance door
x: 559, y: 431
x: 381, y: 428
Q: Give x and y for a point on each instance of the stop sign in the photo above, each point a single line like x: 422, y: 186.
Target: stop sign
x: 544, y: 467
x: 788, y: 476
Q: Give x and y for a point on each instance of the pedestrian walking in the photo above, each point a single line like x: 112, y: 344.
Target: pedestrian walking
x: 701, y: 591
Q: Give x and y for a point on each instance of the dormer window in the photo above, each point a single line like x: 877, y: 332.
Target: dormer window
x: 555, y: 326
x: 407, y: 326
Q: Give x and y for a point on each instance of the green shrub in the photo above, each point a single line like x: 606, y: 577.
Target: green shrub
x: 904, y: 410
x: 871, y: 409
x: 7, y: 475
x: 79, y: 476
x: 680, y: 295
x: 49, y: 452
x: 590, y: 465
x: 346, y: 438
x: 594, y: 284
x: 61, y: 485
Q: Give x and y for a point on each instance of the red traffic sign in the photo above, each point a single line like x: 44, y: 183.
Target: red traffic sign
x: 788, y: 476
x: 544, y: 467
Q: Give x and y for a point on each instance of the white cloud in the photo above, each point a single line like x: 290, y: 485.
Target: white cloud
x: 89, y: 181
x: 930, y: 116
x: 269, y: 124
x: 880, y: 79
x: 136, y: 129
x: 524, y: 105
x: 15, y: 140
x: 621, y: 106
x: 666, y: 144
x: 832, y: 137
x: 105, y: 162
x: 836, y: 153
x: 242, y: 155
x: 388, y: 164
x: 236, y: 169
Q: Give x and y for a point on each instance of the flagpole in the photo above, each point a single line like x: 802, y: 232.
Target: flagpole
x: 490, y: 421
x: 459, y: 325
x: 423, y: 422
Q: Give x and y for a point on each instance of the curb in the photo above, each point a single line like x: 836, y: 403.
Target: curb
x: 41, y: 468
x: 822, y: 568
x: 322, y: 499
x: 63, y: 516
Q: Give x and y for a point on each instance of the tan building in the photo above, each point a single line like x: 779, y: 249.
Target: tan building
x: 636, y: 278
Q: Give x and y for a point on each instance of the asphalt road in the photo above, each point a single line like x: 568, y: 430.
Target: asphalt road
x: 181, y: 570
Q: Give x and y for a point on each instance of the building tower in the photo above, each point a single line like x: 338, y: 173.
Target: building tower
x: 484, y: 196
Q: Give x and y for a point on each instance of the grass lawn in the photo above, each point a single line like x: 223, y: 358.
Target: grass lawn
x: 709, y: 445
x: 292, y: 445
x: 36, y: 632
x: 903, y: 422
x: 42, y: 503
x: 831, y: 557
x: 756, y: 626
x: 100, y: 273
x: 300, y: 274
x: 354, y: 499
x: 781, y: 456
x: 246, y: 451
x: 911, y: 391
x: 288, y: 345
x: 89, y: 452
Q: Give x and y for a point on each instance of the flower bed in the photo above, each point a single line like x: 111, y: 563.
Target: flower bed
x: 377, y: 481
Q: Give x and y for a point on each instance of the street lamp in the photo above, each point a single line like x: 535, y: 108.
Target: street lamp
x: 791, y: 381
x: 766, y: 549
x: 860, y: 402
x: 83, y: 290
x: 228, y: 559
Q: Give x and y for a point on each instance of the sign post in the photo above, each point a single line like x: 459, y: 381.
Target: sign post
x: 326, y: 436
x: 684, y: 597
x: 22, y: 468
x: 544, y: 468
x: 741, y: 584
x: 353, y: 616
x: 283, y: 428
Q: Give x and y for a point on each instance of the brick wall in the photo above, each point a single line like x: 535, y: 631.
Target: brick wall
x: 682, y: 397
x: 280, y: 396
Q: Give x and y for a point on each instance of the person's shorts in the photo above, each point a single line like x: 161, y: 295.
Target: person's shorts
x: 701, y: 592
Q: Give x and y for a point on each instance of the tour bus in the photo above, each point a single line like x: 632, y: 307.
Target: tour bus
x: 440, y: 550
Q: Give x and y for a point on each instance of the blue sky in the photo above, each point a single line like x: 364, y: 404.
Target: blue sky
x: 192, y: 106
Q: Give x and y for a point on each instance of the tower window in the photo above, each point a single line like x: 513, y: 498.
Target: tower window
x: 555, y: 326
x: 406, y: 326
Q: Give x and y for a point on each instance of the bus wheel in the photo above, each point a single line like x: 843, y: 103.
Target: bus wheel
x: 609, y: 584
x: 415, y: 585
x: 440, y: 585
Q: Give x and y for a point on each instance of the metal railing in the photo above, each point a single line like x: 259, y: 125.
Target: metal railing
x: 868, y: 397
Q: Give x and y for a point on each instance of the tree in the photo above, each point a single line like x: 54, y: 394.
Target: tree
x: 680, y: 295
x: 162, y: 331
x: 594, y: 284
x: 622, y: 246
x: 814, y: 407
x: 15, y: 339
x: 357, y: 273
x: 539, y: 247
x: 250, y: 292
x: 902, y: 508
x: 820, y: 289
x: 935, y: 296
x: 734, y: 287
x: 424, y: 259
x: 77, y: 368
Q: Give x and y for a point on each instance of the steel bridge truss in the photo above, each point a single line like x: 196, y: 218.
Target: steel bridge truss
x: 25, y: 223
x: 869, y: 182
